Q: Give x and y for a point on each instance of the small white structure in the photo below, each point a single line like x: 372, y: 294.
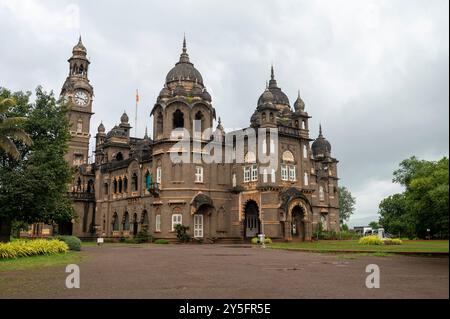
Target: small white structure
x: 381, y: 233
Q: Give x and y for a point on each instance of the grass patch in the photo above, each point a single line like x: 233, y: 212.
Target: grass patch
x: 25, y: 263
x: 412, y: 246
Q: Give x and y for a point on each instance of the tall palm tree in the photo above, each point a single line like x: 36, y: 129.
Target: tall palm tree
x: 10, y: 129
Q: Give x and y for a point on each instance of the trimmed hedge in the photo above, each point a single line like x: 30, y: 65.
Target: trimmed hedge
x: 73, y: 242
x: 23, y: 248
x: 161, y: 241
x: 392, y: 241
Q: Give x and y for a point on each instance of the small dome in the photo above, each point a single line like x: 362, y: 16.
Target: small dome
x: 321, y: 147
x: 124, y: 118
x: 101, y: 128
x: 206, y: 96
x: 165, y: 93
x: 299, y: 105
x: 197, y: 90
x: 179, y: 90
x: 79, y: 48
x: 267, y: 96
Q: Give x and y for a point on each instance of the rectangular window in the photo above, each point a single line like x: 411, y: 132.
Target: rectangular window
x: 265, y: 176
x: 199, y: 174
x: 292, y: 175
x: 305, y: 179
x: 158, y: 223
x: 305, y: 151
x: 177, y: 219
x: 198, y: 225
x: 284, y: 173
x: 246, y: 174
x: 254, y: 173
x: 158, y: 174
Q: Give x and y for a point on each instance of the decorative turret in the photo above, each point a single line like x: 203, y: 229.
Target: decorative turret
x: 299, y: 105
x: 321, y: 147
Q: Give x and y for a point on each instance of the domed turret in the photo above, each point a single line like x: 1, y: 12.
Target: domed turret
x: 165, y: 93
x: 79, y: 48
x: 197, y: 90
x: 278, y: 96
x: 101, y: 128
x: 206, y: 96
x: 321, y: 147
x: 299, y: 105
x: 267, y: 96
x: 184, y: 69
x: 124, y: 118
x: 179, y: 89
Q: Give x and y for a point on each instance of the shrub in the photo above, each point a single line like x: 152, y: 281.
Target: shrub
x: 161, y: 241
x: 370, y: 240
x: 142, y: 237
x: 73, y: 242
x: 22, y: 248
x: 182, y: 234
x: 255, y: 240
x: 392, y: 241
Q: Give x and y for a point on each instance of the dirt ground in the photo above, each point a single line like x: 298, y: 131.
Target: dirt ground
x: 226, y: 271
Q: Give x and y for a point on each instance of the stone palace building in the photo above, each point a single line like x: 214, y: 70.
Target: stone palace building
x: 133, y: 184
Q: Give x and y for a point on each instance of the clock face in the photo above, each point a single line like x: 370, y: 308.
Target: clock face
x: 81, y: 98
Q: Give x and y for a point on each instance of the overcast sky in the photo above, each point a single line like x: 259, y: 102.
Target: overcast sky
x: 374, y: 73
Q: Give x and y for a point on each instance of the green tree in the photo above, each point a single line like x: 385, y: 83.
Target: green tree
x: 346, y: 204
x: 34, y: 188
x: 11, y: 129
x: 374, y: 225
x: 424, y: 203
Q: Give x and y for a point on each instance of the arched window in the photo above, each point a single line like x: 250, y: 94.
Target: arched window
x: 263, y: 116
x: 126, y: 221
x: 79, y: 184
x: 90, y: 186
x: 159, y: 124
x: 119, y: 156
x: 177, y: 219
x: 134, y: 182
x: 115, y: 186
x: 306, y: 179
x: 303, y: 125
x: 199, y: 122
x: 296, y: 123
x: 305, y: 151
x: 80, y: 126
x: 105, y: 188
x: 321, y: 193
x: 115, y: 222
x: 271, y: 117
x: 125, y: 184
x: 288, y: 157
x: 178, y: 119
x: 148, y: 180
x: 120, y: 185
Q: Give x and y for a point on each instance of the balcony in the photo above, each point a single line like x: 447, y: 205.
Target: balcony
x: 154, y: 189
x: 82, y: 196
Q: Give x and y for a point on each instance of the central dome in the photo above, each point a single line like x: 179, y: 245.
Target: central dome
x: 184, y: 70
x: 278, y: 96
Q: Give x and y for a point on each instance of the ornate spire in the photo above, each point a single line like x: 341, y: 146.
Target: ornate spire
x: 146, y: 133
x: 272, y: 82
x: 320, y: 130
x: 184, y: 57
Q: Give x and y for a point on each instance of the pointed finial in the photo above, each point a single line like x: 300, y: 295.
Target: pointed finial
x: 272, y: 73
x: 267, y: 85
x: 184, y: 43
x: 320, y: 129
x: 146, y: 133
x: 298, y: 94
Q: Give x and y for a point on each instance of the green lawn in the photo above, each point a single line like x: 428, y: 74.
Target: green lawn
x: 24, y: 263
x: 418, y: 246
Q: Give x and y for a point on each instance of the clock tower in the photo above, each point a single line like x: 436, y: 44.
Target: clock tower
x: 78, y: 94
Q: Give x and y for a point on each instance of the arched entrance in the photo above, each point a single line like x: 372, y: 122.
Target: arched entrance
x: 298, y: 223
x: 202, y: 208
x: 252, y: 224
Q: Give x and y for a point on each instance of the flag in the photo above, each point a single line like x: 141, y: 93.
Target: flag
x: 137, y: 96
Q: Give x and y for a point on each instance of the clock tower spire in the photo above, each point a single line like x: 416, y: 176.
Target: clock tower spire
x: 78, y: 94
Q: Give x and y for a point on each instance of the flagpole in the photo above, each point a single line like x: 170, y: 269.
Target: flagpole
x: 135, y: 113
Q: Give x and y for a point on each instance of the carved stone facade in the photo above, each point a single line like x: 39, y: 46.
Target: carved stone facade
x: 133, y: 185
